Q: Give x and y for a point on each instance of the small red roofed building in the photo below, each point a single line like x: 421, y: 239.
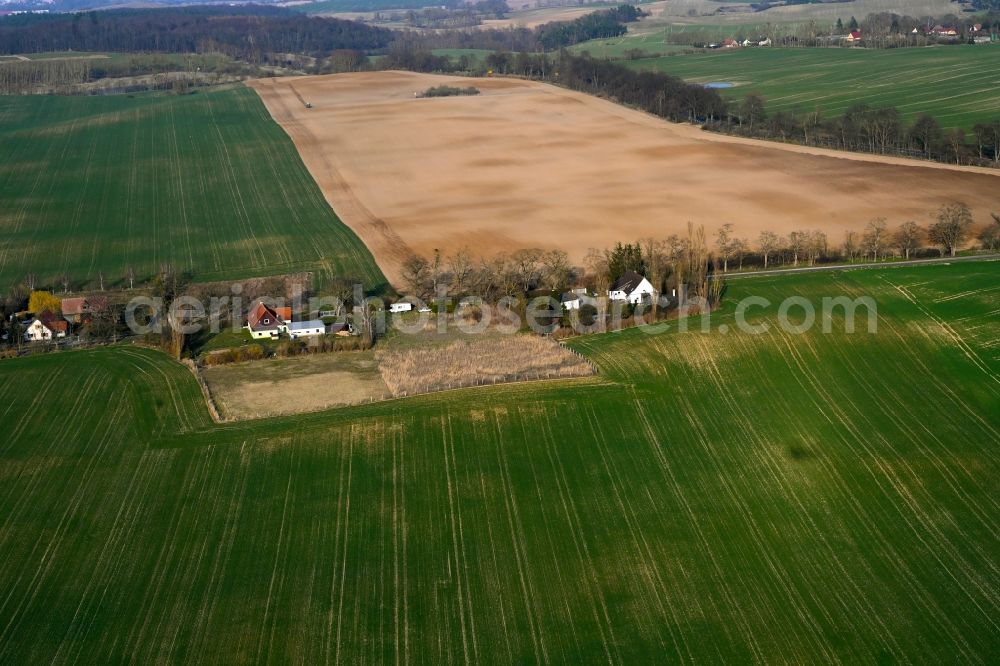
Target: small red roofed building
x: 73, y: 309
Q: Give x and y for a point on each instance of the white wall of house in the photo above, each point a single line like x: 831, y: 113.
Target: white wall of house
x: 306, y: 329
x: 257, y: 335
x: 37, y: 332
x: 643, y: 290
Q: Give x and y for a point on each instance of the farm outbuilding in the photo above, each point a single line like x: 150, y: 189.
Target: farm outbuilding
x: 302, y: 329
x: 401, y: 306
x: 570, y: 301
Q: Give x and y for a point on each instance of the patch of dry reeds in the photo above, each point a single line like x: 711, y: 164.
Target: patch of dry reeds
x: 487, y: 361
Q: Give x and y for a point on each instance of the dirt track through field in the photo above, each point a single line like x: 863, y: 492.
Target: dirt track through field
x: 526, y: 164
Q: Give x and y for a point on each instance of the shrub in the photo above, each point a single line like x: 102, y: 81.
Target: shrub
x: 250, y: 353
x: 448, y: 91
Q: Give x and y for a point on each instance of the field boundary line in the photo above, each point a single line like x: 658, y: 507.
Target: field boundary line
x: 206, y: 392
x: 856, y: 267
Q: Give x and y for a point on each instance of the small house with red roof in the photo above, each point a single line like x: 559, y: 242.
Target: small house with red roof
x: 266, y: 322
x: 73, y: 309
x: 269, y: 322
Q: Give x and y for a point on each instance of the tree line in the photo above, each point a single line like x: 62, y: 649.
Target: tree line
x: 250, y: 33
x: 686, y: 259
x: 950, y: 229
x: 69, y: 75
x: 246, y: 33
x: 863, y: 128
x: 549, y: 36
x: 680, y: 260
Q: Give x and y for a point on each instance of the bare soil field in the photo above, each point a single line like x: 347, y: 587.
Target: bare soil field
x: 526, y: 164
x: 296, y: 385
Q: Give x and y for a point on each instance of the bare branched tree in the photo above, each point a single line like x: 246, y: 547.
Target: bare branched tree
x: 908, y: 237
x: 797, y: 244
x: 461, y: 266
x: 555, y: 269
x: 874, y: 238
x: 850, y: 245
x: 724, y: 242
x: 525, y: 265
x: 596, y: 263
x: 952, y: 226
x: 768, y: 242
x: 416, y: 274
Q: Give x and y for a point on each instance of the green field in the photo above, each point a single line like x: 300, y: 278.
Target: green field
x: 206, y: 182
x: 708, y: 498
x: 956, y: 84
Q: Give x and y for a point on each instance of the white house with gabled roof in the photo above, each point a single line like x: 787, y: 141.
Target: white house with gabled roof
x: 631, y: 287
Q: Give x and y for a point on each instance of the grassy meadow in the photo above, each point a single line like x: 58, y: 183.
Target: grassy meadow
x: 955, y: 84
x: 707, y: 498
x: 206, y: 182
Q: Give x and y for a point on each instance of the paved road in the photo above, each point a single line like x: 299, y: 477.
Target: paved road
x: 852, y: 267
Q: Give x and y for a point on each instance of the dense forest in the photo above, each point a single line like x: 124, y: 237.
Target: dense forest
x: 660, y: 94
x: 250, y: 33
x: 246, y: 33
x: 599, y: 25
x: 547, y: 37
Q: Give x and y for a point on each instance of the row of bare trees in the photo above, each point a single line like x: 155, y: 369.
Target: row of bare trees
x: 684, y: 260
x: 950, y: 229
x: 502, y: 275
x: 672, y: 262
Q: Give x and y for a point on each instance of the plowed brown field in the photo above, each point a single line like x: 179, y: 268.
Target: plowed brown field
x: 526, y: 164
